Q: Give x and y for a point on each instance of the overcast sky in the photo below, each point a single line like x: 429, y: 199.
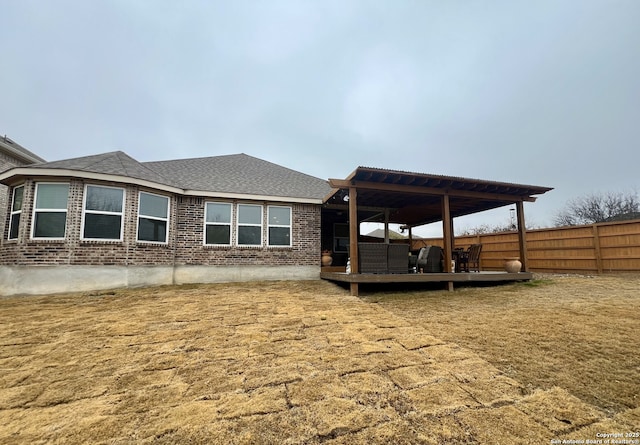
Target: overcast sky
x: 535, y: 92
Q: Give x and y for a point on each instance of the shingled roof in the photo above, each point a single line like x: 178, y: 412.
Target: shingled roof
x: 113, y: 163
x: 241, y: 173
x: 238, y: 174
x: 17, y: 151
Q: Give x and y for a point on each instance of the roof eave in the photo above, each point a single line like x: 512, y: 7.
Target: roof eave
x: 23, y: 156
x: 68, y: 173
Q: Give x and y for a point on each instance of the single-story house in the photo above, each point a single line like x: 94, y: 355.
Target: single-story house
x: 108, y: 221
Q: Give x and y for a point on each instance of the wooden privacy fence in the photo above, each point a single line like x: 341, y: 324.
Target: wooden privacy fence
x: 597, y: 248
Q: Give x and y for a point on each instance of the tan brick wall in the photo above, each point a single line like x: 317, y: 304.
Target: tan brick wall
x: 185, y: 241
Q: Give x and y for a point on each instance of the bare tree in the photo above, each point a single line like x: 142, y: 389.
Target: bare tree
x: 508, y: 225
x: 599, y: 207
x: 484, y: 229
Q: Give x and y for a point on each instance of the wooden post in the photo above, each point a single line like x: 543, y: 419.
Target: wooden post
x: 353, y: 236
x: 447, y: 232
x: 596, y: 245
x: 386, y: 226
x: 522, y: 236
x: 453, y: 235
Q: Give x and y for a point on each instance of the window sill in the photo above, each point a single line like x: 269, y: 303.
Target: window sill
x: 101, y: 241
x: 47, y: 240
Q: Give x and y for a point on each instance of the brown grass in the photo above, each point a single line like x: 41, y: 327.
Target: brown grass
x: 303, y: 362
x: 579, y: 333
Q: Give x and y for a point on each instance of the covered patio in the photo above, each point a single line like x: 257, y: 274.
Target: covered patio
x: 412, y: 200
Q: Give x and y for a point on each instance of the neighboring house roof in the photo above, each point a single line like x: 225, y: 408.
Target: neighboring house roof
x: 379, y: 233
x: 623, y: 217
x: 17, y: 151
x: 238, y: 175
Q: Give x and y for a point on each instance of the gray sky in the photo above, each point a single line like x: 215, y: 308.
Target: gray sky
x: 536, y: 92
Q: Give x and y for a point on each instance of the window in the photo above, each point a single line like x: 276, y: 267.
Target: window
x: 102, y: 216
x: 217, y: 223
x: 16, y: 211
x: 50, y: 211
x: 153, y: 218
x: 249, y: 225
x: 340, y: 237
x: 279, y: 223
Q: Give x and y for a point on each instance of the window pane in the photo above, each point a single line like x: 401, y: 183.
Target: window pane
x: 52, y: 196
x: 50, y: 224
x: 249, y: 236
x: 15, y: 225
x: 249, y: 214
x: 218, y: 235
x: 152, y: 230
x: 279, y: 236
x: 17, y: 199
x: 341, y: 230
x: 279, y: 216
x: 218, y: 212
x: 104, y: 199
x: 153, y: 205
x: 102, y: 226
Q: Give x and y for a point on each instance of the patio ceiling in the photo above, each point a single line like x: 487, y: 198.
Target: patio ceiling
x: 416, y: 198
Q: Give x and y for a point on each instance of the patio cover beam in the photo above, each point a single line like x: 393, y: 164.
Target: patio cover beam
x: 398, y: 188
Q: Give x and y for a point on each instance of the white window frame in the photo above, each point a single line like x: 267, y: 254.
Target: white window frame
x: 238, y: 225
x: 102, y: 212
x: 36, y: 210
x: 229, y: 224
x: 289, y: 226
x: 166, y: 234
x: 15, y: 212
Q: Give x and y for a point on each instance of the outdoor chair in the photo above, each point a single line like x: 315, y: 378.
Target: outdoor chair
x: 461, y: 258
x: 430, y: 259
x: 473, y: 257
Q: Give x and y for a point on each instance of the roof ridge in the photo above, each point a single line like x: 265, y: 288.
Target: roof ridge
x: 121, y: 153
x: 255, y: 158
x: 195, y: 159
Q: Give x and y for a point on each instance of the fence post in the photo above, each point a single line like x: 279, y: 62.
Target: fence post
x: 596, y: 245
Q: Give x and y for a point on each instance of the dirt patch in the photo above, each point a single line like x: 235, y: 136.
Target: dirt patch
x: 303, y: 362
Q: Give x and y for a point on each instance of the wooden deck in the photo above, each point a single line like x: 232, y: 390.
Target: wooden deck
x: 446, y: 278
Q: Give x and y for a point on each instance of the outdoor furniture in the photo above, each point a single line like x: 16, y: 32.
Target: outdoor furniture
x: 430, y: 259
x: 383, y: 258
x: 373, y: 257
x: 413, y: 261
x: 461, y: 258
x: 398, y: 258
x: 474, y: 257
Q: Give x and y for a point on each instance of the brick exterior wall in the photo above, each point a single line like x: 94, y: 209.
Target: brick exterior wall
x: 6, y: 162
x: 185, y: 240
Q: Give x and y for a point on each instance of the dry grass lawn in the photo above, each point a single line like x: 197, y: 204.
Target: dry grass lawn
x: 305, y: 363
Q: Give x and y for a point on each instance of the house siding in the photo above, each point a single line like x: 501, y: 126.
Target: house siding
x: 184, y: 245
